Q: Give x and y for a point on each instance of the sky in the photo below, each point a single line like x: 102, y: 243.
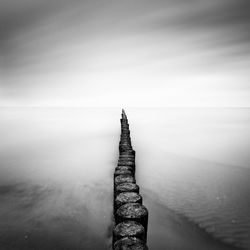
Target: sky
x: 140, y: 53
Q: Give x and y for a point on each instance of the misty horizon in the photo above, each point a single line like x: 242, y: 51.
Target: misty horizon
x: 180, y: 69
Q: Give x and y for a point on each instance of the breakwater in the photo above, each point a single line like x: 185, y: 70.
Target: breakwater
x: 130, y: 216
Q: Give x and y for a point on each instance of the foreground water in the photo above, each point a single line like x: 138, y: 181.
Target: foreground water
x: 56, y: 170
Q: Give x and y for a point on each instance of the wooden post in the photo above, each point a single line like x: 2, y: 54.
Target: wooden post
x: 131, y: 217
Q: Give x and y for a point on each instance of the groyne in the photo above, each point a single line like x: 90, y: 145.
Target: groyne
x: 130, y: 215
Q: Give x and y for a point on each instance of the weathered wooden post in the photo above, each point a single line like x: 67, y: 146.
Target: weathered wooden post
x: 130, y: 216
x: 127, y: 197
x: 129, y: 229
x: 131, y: 243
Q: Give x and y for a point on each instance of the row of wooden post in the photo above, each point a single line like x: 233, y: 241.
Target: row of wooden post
x: 130, y: 216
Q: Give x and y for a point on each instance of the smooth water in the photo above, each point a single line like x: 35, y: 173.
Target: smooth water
x: 56, y: 167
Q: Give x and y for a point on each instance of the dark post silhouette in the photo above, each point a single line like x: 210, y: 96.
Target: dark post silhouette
x: 130, y: 216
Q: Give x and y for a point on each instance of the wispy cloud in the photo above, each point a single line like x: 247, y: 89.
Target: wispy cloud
x: 88, y: 52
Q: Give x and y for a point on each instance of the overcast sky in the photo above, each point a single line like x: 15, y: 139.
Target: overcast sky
x: 125, y: 53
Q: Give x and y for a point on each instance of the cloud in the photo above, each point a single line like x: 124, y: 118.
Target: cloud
x: 66, y: 50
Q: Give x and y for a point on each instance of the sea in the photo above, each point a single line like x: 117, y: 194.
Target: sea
x: 56, y: 176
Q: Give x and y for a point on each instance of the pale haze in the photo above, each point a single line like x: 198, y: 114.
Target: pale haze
x: 179, y: 68
x: 124, y: 53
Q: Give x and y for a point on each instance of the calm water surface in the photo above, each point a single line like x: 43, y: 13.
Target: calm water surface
x: 56, y: 169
